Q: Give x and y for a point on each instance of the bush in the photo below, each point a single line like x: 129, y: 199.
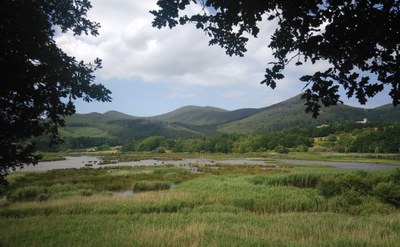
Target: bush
x: 338, y: 204
x: 281, y: 149
x: 395, y: 177
x: 352, y: 197
x: 301, y: 148
x: 359, y: 182
x: 86, y: 193
x: 329, y: 186
x: 160, y: 150
x: 388, y: 192
x: 27, y: 193
x: 319, y: 149
x: 352, y: 189
x: 42, y: 197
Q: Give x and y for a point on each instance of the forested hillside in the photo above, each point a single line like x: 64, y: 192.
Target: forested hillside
x: 342, y: 138
x: 200, y: 123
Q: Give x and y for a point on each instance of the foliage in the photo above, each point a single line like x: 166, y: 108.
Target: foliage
x: 297, y: 180
x: 342, y: 138
x: 354, y: 187
x: 233, y: 208
x: 388, y: 193
x: 355, y: 38
x: 85, y: 131
x: 27, y: 193
x: 214, y: 226
x: 87, y: 182
x: 281, y: 149
x: 39, y: 81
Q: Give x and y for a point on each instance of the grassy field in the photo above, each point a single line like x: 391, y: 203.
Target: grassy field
x: 253, y: 205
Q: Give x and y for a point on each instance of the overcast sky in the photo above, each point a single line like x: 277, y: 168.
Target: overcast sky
x: 153, y: 71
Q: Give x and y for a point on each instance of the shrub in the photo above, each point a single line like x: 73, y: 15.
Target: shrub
x: 301, y: 148
x: 281, y: 149
x: 338, y: 204
x: 26, y: 193
x: 353, y: 197
x: 329, y: 186
x: 160, y: 150
x: 352, y: 189
x: 359, y: 182
x: 42, y: 197
x: 388, y: 192
x: 86, y: 193
x: 395, y: 177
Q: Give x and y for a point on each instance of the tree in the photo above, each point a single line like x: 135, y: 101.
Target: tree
x: 358, y: 39
x: 39, y: 82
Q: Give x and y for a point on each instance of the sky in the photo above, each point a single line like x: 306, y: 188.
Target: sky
x: 153, y: 71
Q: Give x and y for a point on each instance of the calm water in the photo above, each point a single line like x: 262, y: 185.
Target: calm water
x: 79, y: 162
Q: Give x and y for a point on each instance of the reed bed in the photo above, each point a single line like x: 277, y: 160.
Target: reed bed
x: 237, y: 207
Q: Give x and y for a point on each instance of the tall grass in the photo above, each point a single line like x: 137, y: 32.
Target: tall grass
x: 239, y: 191
x: 297, y: 180
x: 202, y: 229
x: 237, y: 207
x: 69, y: 182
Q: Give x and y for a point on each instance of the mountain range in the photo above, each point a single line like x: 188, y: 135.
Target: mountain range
x: 197, y: 121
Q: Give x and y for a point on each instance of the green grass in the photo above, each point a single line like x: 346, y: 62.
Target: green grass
x: 202, y: 229
x: 223, y: 206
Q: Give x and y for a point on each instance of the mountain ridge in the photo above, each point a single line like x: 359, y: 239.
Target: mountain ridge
x: 197, y: 121
x: 202, y: 108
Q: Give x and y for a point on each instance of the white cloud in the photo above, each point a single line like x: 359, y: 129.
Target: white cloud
x: 130, y: 47
x: 164, y: 68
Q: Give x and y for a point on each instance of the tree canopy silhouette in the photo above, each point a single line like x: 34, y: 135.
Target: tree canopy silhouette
x: 359, y: 39
x: 39, y: 82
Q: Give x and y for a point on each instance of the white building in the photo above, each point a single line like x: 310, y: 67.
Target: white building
x: 363, y: 122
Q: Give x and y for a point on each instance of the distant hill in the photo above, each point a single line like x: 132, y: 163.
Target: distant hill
x: 95, y: 119
x: 197, y: 115
x: 197, y: 121
x: 290, y: 114
x: 118, y: 125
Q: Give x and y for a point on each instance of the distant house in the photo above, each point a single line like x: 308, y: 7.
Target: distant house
x: 364, y: 121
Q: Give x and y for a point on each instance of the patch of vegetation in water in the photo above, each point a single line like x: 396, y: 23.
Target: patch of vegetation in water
x: 87, y: 181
